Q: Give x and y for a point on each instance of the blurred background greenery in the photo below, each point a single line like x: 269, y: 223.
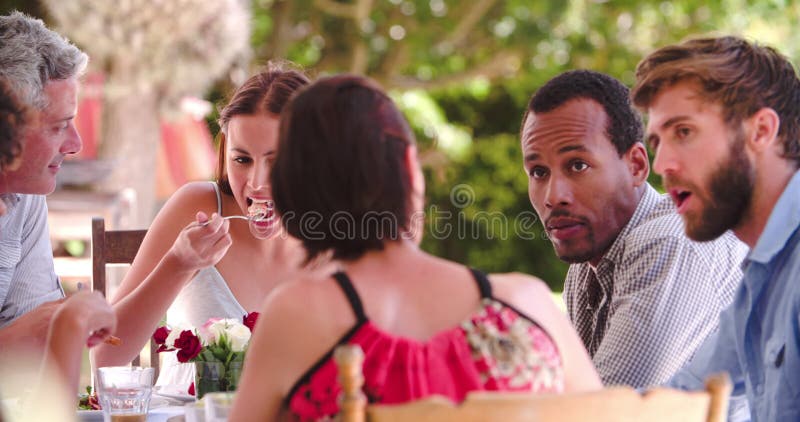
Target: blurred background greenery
x: 462, y: 71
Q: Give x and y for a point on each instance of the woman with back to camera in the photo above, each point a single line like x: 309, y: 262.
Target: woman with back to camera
x: 347, y: 173
x: 255, y: 257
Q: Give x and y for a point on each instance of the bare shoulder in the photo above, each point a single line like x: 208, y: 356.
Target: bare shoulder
x: 179, y: 210
x: 312, y: 300
x: 198, y: 188
x: 513, y: 287
x: 302, y: 318
x: 528, y: 294
x: 191, y: 198
x: 182, y: 206
x: 304, y: 286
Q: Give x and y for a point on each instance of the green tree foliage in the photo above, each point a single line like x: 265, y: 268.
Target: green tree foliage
x: 463, y: 72
x: 472, y: 67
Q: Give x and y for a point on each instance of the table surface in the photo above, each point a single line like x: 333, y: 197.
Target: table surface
x: 164, y: 414
x: 173, y: 412
x: 161, y: 414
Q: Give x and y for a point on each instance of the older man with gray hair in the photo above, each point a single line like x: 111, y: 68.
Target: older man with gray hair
x: 41, y: 69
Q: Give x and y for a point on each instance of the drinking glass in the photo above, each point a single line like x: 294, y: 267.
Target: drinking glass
x: 218, y: 406
x: 194, y: 411
x: 124, y: 392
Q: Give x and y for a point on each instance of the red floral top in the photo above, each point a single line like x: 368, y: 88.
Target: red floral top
x: 498, y: 348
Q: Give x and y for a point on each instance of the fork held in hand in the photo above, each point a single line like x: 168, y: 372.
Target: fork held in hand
x: 256, y: 218
x: 228, y: 217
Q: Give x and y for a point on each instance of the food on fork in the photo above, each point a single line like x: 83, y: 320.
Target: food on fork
x: 113, y: 340
x: 262, y: 217
x: 109, y: 339
x: 259, y: 209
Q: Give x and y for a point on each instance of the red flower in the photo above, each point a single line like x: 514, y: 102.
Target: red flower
x: 249, y: 320
x: 160, y: 338
x: 188, y: 346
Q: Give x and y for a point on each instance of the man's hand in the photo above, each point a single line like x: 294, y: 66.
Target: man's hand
x: 90, y: 314
x: 83, y: 319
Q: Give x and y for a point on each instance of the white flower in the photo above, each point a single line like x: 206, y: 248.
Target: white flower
x: 218, y: 328
x: 236, y: 333
x: 206, y: 335
x: 239, y: 336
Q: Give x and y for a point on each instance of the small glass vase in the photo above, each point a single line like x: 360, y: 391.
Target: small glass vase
x: 214, y: 376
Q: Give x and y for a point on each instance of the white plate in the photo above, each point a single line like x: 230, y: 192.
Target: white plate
x: 156, y: 402
x: 170, y: 391
x: 97, y: 415
x: 90, y: 415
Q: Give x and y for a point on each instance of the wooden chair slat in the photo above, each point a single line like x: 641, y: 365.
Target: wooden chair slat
x: 617, y: 404
x: 116, y: 247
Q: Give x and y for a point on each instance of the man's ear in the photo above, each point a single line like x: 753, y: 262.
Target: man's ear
x: 417, y: 182
x: 638, y: 164
x: 412, y: 166
x: 763, y: 128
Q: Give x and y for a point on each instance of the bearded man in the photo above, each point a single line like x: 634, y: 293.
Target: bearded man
x: 725, y: 127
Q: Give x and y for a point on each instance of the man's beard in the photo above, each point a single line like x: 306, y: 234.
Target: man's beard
x: 574, y: 255
x: 730, y: 190
x: 577, y: 257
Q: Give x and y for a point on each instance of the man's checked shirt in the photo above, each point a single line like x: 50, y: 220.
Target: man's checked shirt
x: 653, y: 297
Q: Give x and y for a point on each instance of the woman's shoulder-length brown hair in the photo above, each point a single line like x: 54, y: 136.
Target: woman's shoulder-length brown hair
x: 341, y: 182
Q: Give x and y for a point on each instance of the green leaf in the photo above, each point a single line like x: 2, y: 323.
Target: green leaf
x: 220, y: 352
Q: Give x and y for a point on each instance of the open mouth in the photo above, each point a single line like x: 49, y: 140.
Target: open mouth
x: 680, y: 197
x: 260, y: 210
x: 261, y: 213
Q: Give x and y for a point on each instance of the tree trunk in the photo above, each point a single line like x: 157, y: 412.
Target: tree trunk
x: 131, y: 137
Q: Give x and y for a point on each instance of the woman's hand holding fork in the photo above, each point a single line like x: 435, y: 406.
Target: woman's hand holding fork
x: 202, y: 243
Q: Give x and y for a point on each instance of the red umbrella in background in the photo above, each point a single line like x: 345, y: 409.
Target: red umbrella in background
x: 186, y: 151
x: 90, y: 115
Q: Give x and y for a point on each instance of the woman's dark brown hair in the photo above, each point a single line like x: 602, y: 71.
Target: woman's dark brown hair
x: 266, y: 92
x: 341, y: 182
x: 12, y: 118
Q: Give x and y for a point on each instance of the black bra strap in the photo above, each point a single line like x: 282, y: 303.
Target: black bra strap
x: 352, y: 296
x: 484, y: 286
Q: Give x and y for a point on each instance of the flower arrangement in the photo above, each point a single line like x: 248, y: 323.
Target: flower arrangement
x: 217, y: 348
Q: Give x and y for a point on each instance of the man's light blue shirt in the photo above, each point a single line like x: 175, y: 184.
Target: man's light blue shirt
x: 758, y: 342
x: 27, y: 277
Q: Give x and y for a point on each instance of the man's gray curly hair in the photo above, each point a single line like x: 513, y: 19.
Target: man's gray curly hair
x: 32, y: 55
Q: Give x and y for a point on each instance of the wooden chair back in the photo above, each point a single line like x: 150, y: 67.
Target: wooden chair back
x: 618, y: 404
x: 115, y: 247
x: 111, y: 247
